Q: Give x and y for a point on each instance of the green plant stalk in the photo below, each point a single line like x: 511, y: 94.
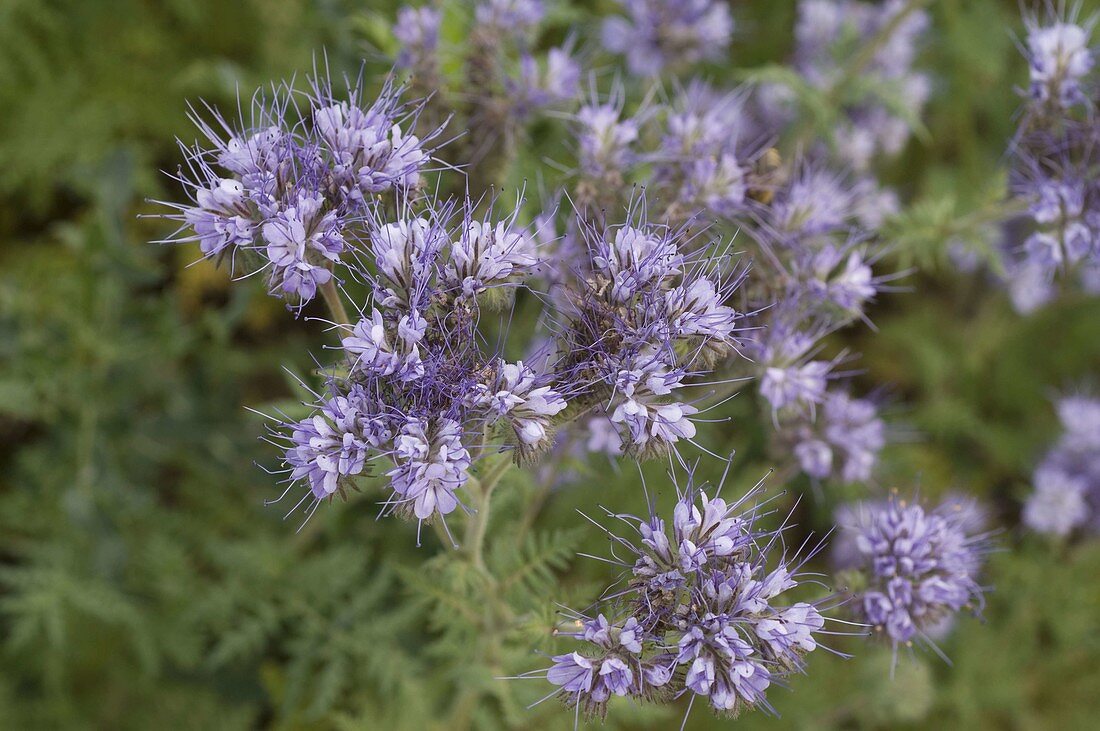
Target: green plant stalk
x: 482, y: 489
x: 335, y: 305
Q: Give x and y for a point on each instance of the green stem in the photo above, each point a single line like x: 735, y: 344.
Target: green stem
x: 335, y: 304
x: 483, y: 489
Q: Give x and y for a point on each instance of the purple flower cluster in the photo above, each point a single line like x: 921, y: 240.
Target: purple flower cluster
x: 657, y: 35
x: 417, y: 30
x: 501, y: 81
x: 289, y: 189
x: 918, y: 567
x: 540, y: 86
x: 816, y: 231
x: 1067, y: 482
x: 607, y: 141
x: 707, y: 157
x: 510, y: 16
x: 639, y: 320
x: 830, y: 35
x: 844, y: 442
x: 700, y: 614
x: 1059, y: 60
x: 419, y: 390
x: 1054, y: 160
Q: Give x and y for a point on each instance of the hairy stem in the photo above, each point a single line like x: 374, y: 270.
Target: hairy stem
x: 479, y: 522
x: 335, y: 305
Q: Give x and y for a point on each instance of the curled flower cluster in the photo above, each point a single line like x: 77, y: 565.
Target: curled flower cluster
x: 1067, y: 482
x: 829, y: 41
x: 290, y: 190
x: 542, y: 86
x: 1059, y: 61
x: 419, y: 390
x: 606, y: 141
x: 707, y: 159
x: 639, y: 320
x: 513, y: 16
x: 917, y: 567
x: 813, y: 230
x: 417, y: 30
x: 844, y: 442
x: 659, y: 34
x: 700, y: 614
x: 502, y: 80
x: 1054, y: 161
x: 816, y: 233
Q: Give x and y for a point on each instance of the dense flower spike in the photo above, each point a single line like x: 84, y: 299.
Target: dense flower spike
x: 918, y: 567
x: 420, y: 389
x: 606, y: 140
x: 1067, y: 482
x: 825, y: 37
x: 700, y: 613
x: 1054, y: 160
x: 661, y: 34
x: 544, y: 86
x: 417, y: 30
x: 515, y: 16
x: 640, y: 318
x: 843, y: 442
x: 1059, y: 60
x: 292, y: 187
x: 708, y: 154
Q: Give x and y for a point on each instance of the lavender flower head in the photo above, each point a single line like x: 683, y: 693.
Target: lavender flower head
x: 844, y: 442
x: 417, y: 386
x: 417, y: 30
x: 1067, y: 481
x: 829, y: 34
x: 517, y: 17
x: 1059, y: 60
x: 553, y: 83
x: 792, y: 379
x: 606, y: 139
x: 640, y: 319
x: 658, y: 35
x: 918, y: 567
x: 1054, y: 156
x: 700, y: 613
x: 287, y: 191
x: 708, y: 154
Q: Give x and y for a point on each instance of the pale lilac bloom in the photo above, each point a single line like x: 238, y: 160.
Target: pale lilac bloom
x: 847, y: 438
x: 222, y: 218
x: 1058, y: 505
x: 527, y: 405
x: 605, y: 140
x: 1059, y: 58
x: 1067, y: 481
x: 702, y: 615
x: 332, y: 445
x: 661, y: 34
x: 487, y: 254
x: 417, y: 30
x: 518, y: 17
x: 302, y: 243
x: 920, y: 567
x: 431, y: 465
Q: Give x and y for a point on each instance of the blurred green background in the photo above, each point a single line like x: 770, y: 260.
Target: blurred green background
x: 143, y: 583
